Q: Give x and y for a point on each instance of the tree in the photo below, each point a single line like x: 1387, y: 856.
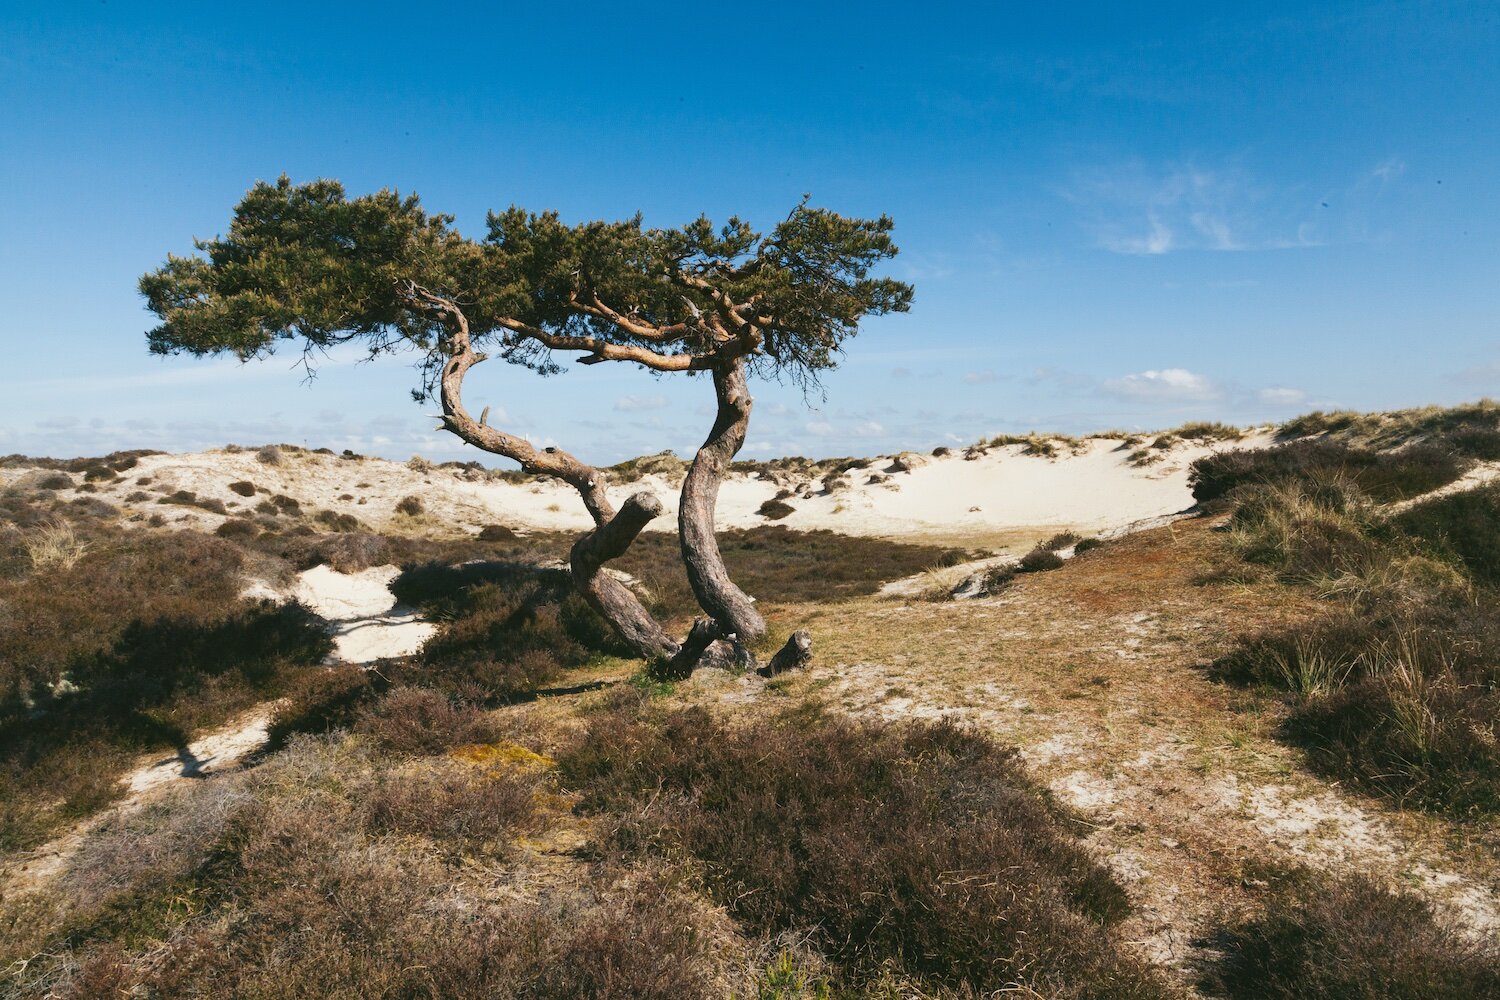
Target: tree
x: 308, y: 265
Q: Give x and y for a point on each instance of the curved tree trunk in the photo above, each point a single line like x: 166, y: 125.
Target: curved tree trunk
x: 613, y: 532
x: 614, y: 601
x: 717, y: 594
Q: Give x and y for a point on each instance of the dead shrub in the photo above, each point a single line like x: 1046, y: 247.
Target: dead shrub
x: 270, y: 455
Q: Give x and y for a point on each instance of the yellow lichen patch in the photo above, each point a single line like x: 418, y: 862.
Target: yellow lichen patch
x: 504, y: 752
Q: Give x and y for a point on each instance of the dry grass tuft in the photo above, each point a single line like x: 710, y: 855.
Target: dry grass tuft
x: 55, y: 545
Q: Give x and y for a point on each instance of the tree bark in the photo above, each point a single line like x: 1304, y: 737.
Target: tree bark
x: 796, y: 654
x: 613, y: 532
x: 608, y: 596
x: 717, y: 594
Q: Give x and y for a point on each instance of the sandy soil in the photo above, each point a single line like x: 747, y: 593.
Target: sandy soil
x: 1002, y: 497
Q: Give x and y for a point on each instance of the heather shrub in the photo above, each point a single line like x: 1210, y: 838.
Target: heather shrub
x: 270, y: 455
x: 497, y: 533
x: 1321, y: 937
x: 781, y: 564
x: 775, y: 510
x: 237, y: 528
x: 1464, y: 525
x: 456, y: 803
x: 418, y: 721
x: 1061, y: 540
x: 410, y: 506
x: 1039, y: 560
x: 327, y: 873
x: 1402, y: 699
x: 921, y: 850
x: 1383, y: 476
x: 244, y: 488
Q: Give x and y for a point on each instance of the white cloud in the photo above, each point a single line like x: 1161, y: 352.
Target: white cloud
x: 1282, y: 396
x: 821, y: 428
x: 1164, y: 385
x: 641, y: 404
x: 979, y: 378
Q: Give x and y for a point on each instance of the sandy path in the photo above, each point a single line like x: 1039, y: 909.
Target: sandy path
x: 367, y: 625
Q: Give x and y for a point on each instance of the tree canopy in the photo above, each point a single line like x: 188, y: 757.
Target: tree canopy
x: 305, y: 262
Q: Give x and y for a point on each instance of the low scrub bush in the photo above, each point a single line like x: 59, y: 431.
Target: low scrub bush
x: 1384, y: 476
x: 507, y: 628
x: 410, y: 506
x: 334, y: 874
x: 1464, y: 525
x: 1061, y: 540
x: 270, y: 455
x: 244, y: 488
x: 417, y: 721
x: 454, y: 803
x: 335, y: 521
x: 1039, y: 560
x: 1346, y: 938
x: 497, y: 533
x: 781, y: 564
x: 1403, y: 700
x: 921, y: 851
x: 775, y: 510
x: 237, y: 528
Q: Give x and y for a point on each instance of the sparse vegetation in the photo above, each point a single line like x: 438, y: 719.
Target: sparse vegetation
x: 411, y: 506
x: 142, y: 641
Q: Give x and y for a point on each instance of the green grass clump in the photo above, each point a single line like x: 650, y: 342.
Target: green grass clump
x: 1398, y: 690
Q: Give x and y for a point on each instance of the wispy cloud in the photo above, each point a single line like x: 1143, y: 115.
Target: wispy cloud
x: 641, y: 404
x: 1134, y: 209
x: 1164, y: 385
x: 979, y: 378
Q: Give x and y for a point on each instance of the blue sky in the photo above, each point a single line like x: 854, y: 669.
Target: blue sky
x: 1113, y: 215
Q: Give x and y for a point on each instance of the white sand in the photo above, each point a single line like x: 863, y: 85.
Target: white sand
x: 1094, y: 491
x: 366, y: 622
